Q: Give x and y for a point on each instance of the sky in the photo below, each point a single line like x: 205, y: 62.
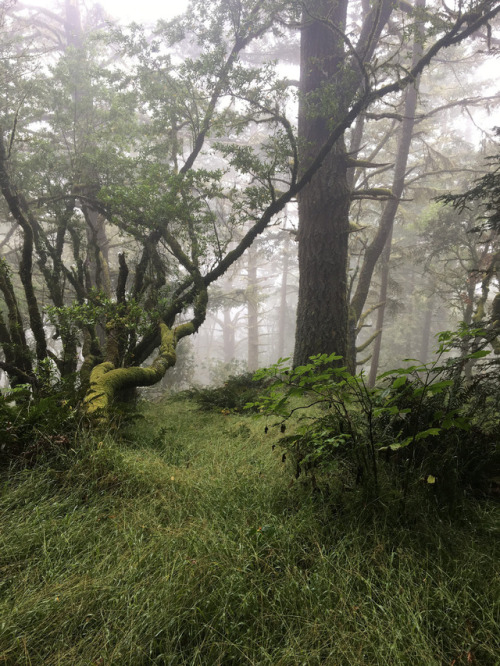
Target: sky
x: 126, y: 11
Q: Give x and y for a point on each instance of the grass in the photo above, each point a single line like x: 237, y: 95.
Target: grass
x: 188, y: 544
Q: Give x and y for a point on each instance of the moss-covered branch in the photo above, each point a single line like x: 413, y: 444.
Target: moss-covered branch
x: 368, y: 342
x: 106, y: 381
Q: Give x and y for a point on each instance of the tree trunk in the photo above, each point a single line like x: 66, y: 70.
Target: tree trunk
x: 426, y: 330
x: 329, y: 80
x: 283, y: 311
x: 228, y: 332
x: 322, y: 310
x: 107, y: 382
x: 376, y: 247
x: 252, y: 311
x: 385, y: 259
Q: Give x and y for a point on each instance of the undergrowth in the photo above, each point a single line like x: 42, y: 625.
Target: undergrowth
x: 425, y: 424
x: 233, y: 395
x: 186, y: 543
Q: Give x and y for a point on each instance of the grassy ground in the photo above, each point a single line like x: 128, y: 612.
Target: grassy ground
x: 189, y: 545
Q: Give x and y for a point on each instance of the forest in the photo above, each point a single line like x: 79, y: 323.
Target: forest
x: 250, y: 333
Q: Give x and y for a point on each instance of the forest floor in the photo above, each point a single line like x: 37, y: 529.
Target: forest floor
x: 190, y: 542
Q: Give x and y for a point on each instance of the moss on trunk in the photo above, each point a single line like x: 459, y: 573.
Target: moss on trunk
x: 106, y: 381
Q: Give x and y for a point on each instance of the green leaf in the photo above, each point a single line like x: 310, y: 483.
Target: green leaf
x: 430, y: 432
x: 438, y: 387
x: 481, y: 353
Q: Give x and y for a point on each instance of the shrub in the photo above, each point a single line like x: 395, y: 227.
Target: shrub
x: 422, y: 425
x: 236, y: 392
x: 33, y: 426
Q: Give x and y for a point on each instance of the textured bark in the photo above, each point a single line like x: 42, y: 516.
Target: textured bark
x: 18, y: 208
x: 426, y: 331
x: 283, y: 311
x: 324, y: 203
x: 386, y: 255
x: 10, y: 366
x: 329, y: 81
x: 106, y: 381
x: 116, y: 330
x: 228, y: 332
x: 322, y: 311
x: 15, y: 333
x: 252, y: 311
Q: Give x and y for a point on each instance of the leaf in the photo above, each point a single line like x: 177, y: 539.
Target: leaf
x: 438, y: 387
x: 481, y: 353
x: 399, y: 382
x: 431, y: 479
x: 430, y: 432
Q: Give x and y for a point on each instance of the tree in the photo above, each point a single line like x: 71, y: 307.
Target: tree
x: 153, y: 185
x: 347, y: 65
x: 478, y: 210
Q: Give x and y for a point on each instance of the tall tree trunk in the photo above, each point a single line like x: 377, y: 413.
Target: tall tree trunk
x: 86, y: 181
x: 376, y: 247
x: 228, y: 332
x: 283, y: 311
x: 385, y: 260
x: 329, y: 80
x: 322, y: 310
x: 252, y: 311
x: 426, y: 330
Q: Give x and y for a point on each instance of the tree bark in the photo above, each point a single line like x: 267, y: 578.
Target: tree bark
x: 228, y: 332
x: 252, y: 311
x: 283, y: 311
x: 382, y: 299
x: 426, y: 330
x: 106, y: 381
x: 330, y: 77
x: 322, y: 310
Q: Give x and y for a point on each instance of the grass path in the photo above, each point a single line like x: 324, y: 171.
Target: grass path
x: 189, y: 545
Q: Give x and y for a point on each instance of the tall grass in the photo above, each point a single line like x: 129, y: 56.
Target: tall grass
x: 187, y: 544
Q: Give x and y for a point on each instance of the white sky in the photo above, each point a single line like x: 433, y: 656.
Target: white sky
x: 140, y: 11
x: 143, y: 11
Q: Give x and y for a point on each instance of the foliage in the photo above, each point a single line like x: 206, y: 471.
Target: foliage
x: 34, y: 427
x: 424, y: 423
x: 234, y: 395
x: 220, y: 371
x: 485, y: 190
x: 176, y: 142
x: 115, y: 554
x: 143, y: 165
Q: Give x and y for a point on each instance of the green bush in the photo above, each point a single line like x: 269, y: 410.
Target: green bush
x: 423, y: 426
x: 233, y: 396
x: 33, y: 426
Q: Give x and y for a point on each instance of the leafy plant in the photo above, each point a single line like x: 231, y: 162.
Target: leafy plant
x: 425, y: 423
x: 32, y: 426
x: 233, y: 396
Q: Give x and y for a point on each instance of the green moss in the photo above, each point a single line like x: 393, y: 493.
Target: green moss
x: 106, y: 381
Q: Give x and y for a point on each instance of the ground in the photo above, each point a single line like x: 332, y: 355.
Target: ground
x: 190, y: 542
